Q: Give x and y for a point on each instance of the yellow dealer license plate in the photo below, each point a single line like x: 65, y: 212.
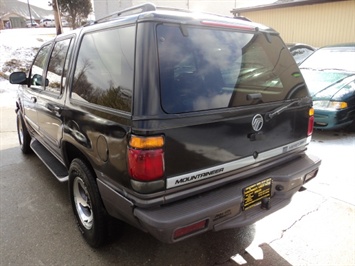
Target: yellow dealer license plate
x: 255, y: 193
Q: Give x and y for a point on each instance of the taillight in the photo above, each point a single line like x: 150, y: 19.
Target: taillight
x: 146, y: 158
x: 310, y: 122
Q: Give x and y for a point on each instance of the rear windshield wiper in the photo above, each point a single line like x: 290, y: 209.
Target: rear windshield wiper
x: 333, y: 69
x: 279, y: 110
x: 323, y: 69
x: 309, y: 68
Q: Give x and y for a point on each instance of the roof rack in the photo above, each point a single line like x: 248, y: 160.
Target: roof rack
x: 131, y: 10
x: 145, y: 8
x: 242, y: 18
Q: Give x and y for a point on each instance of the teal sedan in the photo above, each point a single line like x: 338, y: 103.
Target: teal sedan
x: 330, y: 76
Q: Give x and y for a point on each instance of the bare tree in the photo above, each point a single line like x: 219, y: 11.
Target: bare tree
x: 75, y: 10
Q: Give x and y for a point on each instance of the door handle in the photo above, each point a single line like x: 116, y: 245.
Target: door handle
x: 53, y: 108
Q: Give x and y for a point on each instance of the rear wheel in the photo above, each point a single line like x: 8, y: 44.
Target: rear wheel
x: 23, y: 135
x: 86, y: 202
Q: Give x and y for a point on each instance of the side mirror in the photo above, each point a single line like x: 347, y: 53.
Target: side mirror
x: 18, y: 78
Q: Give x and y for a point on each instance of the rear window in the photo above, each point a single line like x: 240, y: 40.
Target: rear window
x: 204, y: 68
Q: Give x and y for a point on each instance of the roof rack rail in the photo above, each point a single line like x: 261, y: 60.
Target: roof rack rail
x: 242, y: 18
x: 131, y: 10
x: 149, y: 7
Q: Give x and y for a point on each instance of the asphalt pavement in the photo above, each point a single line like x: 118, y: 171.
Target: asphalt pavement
x: 317, y: 228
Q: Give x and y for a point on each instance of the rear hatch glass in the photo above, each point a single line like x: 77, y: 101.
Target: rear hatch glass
x: 224, y: 84
x: 205, y: 68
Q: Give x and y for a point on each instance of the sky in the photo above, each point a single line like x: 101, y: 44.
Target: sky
x: 40, y: 3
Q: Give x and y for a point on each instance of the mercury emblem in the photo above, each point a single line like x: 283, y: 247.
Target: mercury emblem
x: 257, y: 122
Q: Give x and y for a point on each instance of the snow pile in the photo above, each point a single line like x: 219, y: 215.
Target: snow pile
x: 17, y: 50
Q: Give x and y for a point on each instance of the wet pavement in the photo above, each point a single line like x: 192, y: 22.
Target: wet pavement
x: 316, y: 228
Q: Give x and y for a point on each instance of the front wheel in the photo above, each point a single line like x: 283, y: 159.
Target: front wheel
x: 86, y: 202
x: 24, y: 137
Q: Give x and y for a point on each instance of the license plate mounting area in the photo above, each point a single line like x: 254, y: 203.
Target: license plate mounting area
x: 255, y: 193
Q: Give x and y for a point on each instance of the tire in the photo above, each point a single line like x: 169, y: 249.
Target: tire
x: 88, y: 208
x: 23, y: 135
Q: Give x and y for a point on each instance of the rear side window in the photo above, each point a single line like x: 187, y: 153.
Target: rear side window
x: 204, y: 68
x: 104, y: 68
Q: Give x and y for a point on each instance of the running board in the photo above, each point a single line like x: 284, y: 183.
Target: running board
x: 55, y: 166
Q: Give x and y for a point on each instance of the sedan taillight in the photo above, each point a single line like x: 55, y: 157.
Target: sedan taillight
x: 310, y: 121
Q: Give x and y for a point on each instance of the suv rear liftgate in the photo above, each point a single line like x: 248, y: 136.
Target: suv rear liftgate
x: 175, y: 122
x: 234, y: 124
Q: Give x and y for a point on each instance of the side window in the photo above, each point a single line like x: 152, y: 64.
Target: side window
x: 37, y: 81
x: 348, y: 91
x: 104, y: 68
x: 56, y: 73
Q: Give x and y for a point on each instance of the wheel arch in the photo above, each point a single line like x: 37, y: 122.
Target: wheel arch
x: 71, y: 152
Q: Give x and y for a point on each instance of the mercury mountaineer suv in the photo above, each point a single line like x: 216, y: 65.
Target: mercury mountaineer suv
x: 174, y: 122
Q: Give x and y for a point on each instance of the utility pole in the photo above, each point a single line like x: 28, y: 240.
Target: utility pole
x: 29, y: 11
x: 58, y: 21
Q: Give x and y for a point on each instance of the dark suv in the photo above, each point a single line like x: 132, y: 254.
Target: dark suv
x: 174, y: 122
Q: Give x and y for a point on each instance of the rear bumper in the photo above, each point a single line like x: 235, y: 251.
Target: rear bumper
x: 222, y: 208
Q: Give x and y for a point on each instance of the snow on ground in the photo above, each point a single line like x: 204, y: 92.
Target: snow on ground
x: 18, y: 46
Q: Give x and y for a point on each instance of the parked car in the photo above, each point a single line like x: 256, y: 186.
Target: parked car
x: 47, y: 22
x: 65, y: 23
x: 174, y: 122
x: 31, y: 24
x: 300, y: 51
x: 329, y: 73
